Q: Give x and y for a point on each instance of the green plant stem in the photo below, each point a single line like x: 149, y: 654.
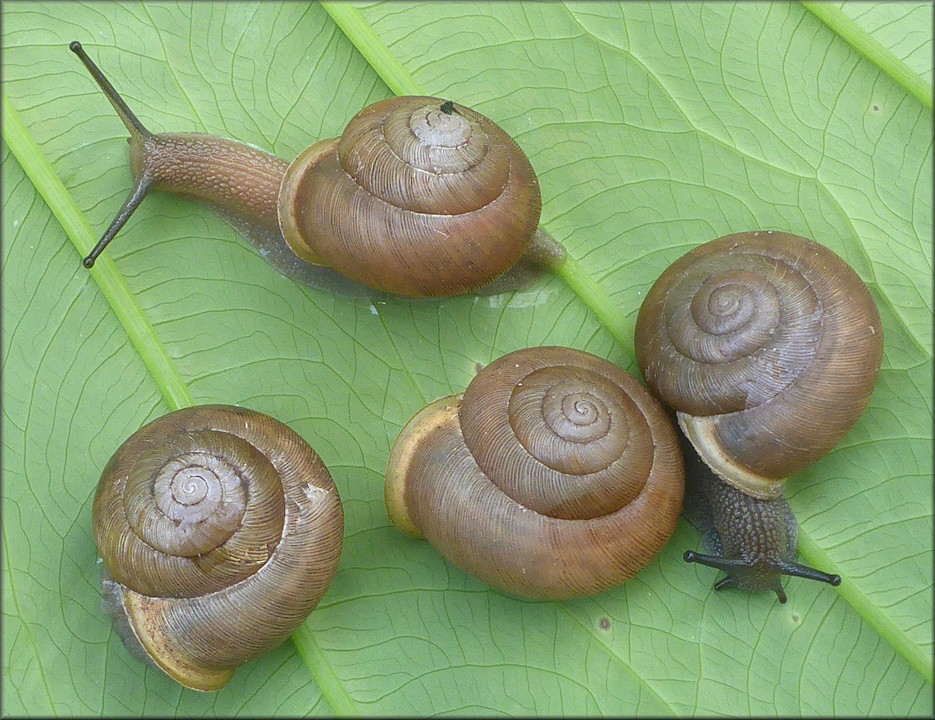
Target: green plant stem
x: 872, y: 49
x: 113, y: 286
x: 141, y: 333
x: 868, y: 610
x: 610, y: 315
x: 396, y: 77
x: 330, y: 684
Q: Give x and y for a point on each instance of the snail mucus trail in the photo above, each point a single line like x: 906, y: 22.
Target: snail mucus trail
x: 452, y: 207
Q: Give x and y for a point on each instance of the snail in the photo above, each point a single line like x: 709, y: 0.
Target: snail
x: 554, y: 475
x: 220, y: 530
x: 419, y: 197
x: 767, y: 345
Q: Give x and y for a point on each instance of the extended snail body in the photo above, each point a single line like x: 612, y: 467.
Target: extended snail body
x: 767, y: 345
x: 418, y: 197
x: 554, y: 475
x: 754, y: 539
x: 220, y: 530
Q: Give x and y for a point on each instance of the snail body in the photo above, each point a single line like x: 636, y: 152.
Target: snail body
x: 220, y: 530
x: 554, y: 475
x: 418, y: 197
x: 753, y: 539
x: 767, y: 345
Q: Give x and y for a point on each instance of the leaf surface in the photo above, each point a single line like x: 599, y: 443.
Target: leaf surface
x: 653, y: 127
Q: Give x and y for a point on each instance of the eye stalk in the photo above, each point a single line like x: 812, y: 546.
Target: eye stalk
x: 761, y: 574
x: 138, y: 134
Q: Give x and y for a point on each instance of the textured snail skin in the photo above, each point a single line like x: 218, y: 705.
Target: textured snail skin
x: 788, y: 361
x: 753, y: 540
x: 418, y: 197
x: 767, y: 345
x: 555, y: 475
x: 220, y: 530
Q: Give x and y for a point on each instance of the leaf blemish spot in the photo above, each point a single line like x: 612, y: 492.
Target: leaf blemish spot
x: 604, y: 623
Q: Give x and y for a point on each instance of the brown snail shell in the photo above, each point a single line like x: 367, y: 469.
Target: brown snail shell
x: 768, y: 346
x: 418, y: 196
x: 554, y: 475
x: 221, y: 530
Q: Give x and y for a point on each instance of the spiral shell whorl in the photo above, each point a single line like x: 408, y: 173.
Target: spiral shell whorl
x: 768, y: 345
x: 473, y: 490
x: 558, y: 431
x: 224, y: 550
x: 413, y: 200
x: 416, y: 157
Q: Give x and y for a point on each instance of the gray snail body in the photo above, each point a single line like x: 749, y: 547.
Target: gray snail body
x: 419, y: 197
x: 767, y: 346
x: 753, y: 539
x: 554, y: 475
x: 220, y: 530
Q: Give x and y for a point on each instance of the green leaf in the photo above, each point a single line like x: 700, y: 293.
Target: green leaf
x: 654, y: 127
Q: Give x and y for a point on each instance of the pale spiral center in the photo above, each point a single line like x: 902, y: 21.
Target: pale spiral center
x: 732, y: 314
x: 575, y: 415
x: 723, y: 308
x: 189, y: 490
x: 192, y: 503
x: 567, y: 421
x: 734, y: 323
x: 580, y: 412
x: 183, y: 499
x: 415, y: 156
x: 189, y: 487
x: 557, y: 431
x: 434, y: 127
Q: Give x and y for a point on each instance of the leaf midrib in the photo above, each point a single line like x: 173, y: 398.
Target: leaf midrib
x: 868, y: 46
